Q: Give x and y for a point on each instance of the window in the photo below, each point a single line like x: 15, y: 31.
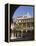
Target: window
x: 19, y: 20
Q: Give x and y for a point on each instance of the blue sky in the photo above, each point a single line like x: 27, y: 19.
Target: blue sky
x: 23, y: 10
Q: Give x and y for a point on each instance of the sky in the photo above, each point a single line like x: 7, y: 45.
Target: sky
x: 23, y: 10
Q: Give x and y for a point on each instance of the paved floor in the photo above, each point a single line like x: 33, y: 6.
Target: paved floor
x: 27, y: 36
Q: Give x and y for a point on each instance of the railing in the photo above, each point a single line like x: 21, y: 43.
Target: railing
x: 28, y: 28
x: 25, y: 21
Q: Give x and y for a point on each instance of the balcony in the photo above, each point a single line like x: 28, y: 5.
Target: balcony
x: 24, y: 28
x: 24, y: 21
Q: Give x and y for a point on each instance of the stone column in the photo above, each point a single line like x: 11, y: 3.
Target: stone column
x: 21, y: 33
x: 12, y: 35
x: 26, y: 26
